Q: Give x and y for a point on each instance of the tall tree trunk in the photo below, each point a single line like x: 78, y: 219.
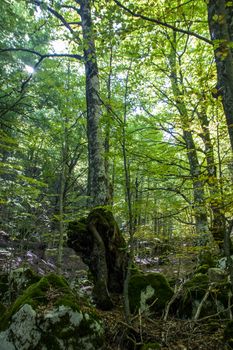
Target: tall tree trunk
x: 63, y: 180
x: 108, y: 128
x: 97, y: 180
x: 220, y: 14
x: 128, y: 200
x: 218, y: 225
x: 195, y: 171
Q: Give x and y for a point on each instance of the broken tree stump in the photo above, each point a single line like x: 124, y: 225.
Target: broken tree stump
x: 99, y: 242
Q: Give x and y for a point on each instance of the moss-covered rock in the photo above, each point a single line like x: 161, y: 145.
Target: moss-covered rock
x: 202, y: 268
x: 20, y: 279
x: 14, y: 282
x: 216, y: 274
x: 49, y: 316
x: 206, y: 258
x: 149, y: 291
x: 195, y: 289
x: 197, y: 285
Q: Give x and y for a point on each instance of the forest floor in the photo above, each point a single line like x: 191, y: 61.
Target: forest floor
x: 172, y: 334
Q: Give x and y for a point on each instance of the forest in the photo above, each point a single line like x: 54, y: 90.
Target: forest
x: 116, y: 174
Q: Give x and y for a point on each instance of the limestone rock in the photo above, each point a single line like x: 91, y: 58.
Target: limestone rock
x: 47, y: 316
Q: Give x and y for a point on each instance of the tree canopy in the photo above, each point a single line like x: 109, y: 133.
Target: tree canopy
x: 126, y: 105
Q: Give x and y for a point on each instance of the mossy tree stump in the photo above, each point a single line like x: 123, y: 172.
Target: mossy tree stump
x: 99, y: 242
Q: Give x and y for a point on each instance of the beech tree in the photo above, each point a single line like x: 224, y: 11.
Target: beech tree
x: 220, y: 14
x: 69, y: 143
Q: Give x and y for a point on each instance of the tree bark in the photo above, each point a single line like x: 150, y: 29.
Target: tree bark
x: 99, y: 242
x: 218, y: 224
x: 195, y: 171
x: 97, y: 180
x: 220, y: 14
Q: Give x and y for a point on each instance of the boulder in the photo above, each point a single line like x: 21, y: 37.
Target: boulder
x: 216, y: 274
x: 206, y: 258
x: 12, y: 283
x: 223, y: 263
x: 48, y: 316
x: 211, y: 288
x: 149, y: 293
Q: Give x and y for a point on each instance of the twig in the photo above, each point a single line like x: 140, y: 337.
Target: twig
x: 171, y: 302
x: 201, y: 304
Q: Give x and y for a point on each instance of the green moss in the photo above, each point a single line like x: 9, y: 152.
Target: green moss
x: 41, y: 293
x: 198, y: 284
x: 85, y: 327
x: 65, y: 325
x: 79, y: 237
x: 141, y: 284
x: 2, y: 309
x: 202, y: 269
x: 206, y: 258
x: 67, y: 300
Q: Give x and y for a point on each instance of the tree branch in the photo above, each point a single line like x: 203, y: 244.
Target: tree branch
x: 42, y: 57
x: 56, y: 14
x: 164, y: 24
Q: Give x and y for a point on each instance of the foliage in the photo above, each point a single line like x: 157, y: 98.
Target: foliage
x: 149, y: 98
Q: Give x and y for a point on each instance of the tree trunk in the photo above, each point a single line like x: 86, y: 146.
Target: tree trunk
x: 195, y: 171
x: 218, y: 224
x: 97, y: 180
x: 220, y: 14
x: 99, y: 242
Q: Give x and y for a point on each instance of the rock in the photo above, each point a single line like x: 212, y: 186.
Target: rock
x: 12, y: 283
x: 206, y: 258
x: 202, y: 269
x: 195, y: 289
x: 222, y: 263
x: 149, y: 292
x: 216, y: 275
x: 49, y: 316
x: 21, y: 278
